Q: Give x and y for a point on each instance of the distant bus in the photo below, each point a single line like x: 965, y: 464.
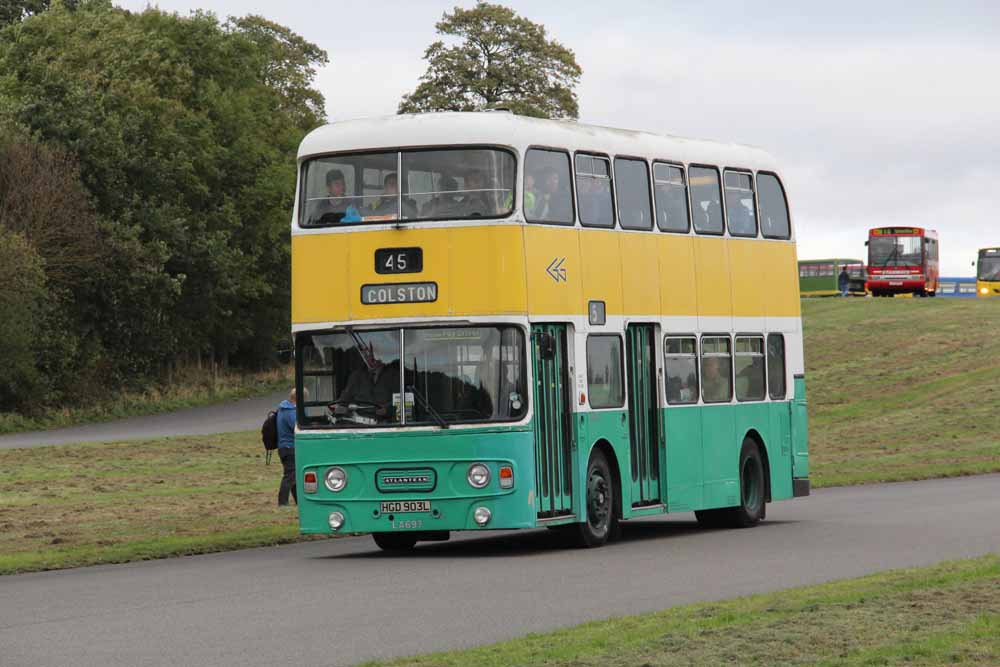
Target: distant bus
x: 505, y: 322
x: 957, y: 287
x: 988, y: 272
x: 902, y: 260
x: 819, y: 277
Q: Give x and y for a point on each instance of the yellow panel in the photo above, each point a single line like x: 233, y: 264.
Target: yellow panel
x: 436, y: 246
x: 319, y: 278
x: 602, y: 281
x: 640, y: 271
x: 552, y: 267
x: 487, y: 271
x: 780, y: 278
x: 712, y: 262
x: 678, y: 286
x: 748, y: 277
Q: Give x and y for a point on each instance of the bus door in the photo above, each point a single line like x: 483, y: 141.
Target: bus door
x: 643, y: 415
x: 553, y: 421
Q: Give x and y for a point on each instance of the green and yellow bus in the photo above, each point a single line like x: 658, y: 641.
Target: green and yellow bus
x: 988, y: 273
x: 503, y: 322
x: 820, y: 277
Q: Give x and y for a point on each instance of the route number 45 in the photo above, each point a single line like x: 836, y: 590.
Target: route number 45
x: 399, y: 260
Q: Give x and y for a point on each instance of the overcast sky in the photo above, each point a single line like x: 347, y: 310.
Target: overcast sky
x: 880, y: 112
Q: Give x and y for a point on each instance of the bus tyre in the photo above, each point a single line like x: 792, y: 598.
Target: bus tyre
x: 600, y: 515
x: 753, y: 492
x: 395, y: 541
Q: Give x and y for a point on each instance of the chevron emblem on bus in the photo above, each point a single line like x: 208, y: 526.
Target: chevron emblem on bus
x: 555, y: 269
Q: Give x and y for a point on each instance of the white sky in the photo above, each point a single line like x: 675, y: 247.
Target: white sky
x: 881, y: 112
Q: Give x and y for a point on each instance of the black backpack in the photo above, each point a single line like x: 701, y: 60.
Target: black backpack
x: 269, y: 433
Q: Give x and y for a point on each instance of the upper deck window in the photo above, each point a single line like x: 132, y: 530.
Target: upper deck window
x: 740, y: 208
x: 706, y: 200
x: 445, y: 184
x: 593, y: 191
x: 671, y: 198
x: 773, y: 207
x: 632, y: 185
x: 547, y: 194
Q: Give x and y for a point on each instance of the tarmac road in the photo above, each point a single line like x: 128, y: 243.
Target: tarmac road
x: 336, y: 602
x: 242, y: 415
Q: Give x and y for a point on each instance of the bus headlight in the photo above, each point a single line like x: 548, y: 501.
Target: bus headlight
x: 482, y: 516
x: 478, y: 476
x: 336, y: 479
x: 983, y: 290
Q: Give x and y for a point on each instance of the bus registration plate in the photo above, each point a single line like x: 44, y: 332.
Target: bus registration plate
x: 404, y: 506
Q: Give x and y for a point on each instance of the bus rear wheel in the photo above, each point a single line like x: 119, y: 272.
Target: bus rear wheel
x: 395, y: 541
x: 753, y: 494
x: 600, y: 519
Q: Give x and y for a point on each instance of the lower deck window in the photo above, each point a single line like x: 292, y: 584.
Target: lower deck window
x: 604, y: 372
x: 681, y: 364
x: 716, y: 369
x: 750, y: 382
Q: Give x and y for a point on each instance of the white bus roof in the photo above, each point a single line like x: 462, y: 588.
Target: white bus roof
x: 506, y: 129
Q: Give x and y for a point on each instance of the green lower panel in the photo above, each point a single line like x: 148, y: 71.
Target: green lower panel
x: 446, y: 453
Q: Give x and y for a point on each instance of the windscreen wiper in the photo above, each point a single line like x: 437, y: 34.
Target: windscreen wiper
x: 428, y: 408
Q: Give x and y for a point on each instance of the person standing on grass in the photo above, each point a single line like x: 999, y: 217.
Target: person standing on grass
x: 844, y: 281
x: 286, y: 449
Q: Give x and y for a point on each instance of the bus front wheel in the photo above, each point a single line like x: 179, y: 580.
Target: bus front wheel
x: 395, y: 541
x: 600, y: 520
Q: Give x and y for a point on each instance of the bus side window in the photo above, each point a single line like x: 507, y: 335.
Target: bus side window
x: 750, y: 383
x: 716, y: 369
x: 632, y: 188
x: 776, y: 366
x: 740, y: 208
x: 593, y: 191
x: 604, y: 371
x: 773, y: 207
x: 547, y: 194
x: 681, y: 363
x: 671, y: 198
x: 706, y: 200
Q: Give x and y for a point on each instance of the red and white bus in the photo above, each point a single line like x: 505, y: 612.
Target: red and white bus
x: 902, y: 260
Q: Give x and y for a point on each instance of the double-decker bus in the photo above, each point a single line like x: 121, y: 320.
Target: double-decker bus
x: 504, y: 322
x: 988, y: 273
x: 902, y: 260
x: 821, y: 277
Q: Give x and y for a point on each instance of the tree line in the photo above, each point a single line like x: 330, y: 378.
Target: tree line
x: 147, y: 172
x: 146, y: 181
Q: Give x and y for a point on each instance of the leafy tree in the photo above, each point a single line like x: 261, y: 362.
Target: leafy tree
x: 185, y: 130
x: 501, y: 60
x: 21, y: 302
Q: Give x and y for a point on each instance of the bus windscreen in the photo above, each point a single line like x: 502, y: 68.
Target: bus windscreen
x: 989, y: 265
x: 895, y: 251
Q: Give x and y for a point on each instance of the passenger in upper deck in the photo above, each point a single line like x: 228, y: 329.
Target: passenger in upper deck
x: 555, y: 202
x: 338, y: 207
x: 446, y: 202
x: 475, y: 198
x: 388, y: 203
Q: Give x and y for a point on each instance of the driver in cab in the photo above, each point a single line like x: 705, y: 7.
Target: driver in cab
x: 370, y: 387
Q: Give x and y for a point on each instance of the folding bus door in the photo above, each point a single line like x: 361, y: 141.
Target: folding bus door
x: 643, y: 415
x: 552, y: 422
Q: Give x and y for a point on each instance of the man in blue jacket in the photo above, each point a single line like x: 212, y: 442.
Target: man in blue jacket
x: 286, y: 449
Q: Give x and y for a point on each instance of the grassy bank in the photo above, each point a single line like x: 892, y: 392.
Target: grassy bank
x: 902, y: 388
x: 898, y: 389
x: 188, y: 390
x: 948, y: 614
x: 109, y: 503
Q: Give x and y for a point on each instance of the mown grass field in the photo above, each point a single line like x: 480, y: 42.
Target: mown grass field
x: 898, y: 389
x: 191, y: 388
x: 939, y: 616
x: 902, y: 388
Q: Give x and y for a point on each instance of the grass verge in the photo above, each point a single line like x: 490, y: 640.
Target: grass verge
x: 192, y: 390
x: 901, y: 389
x: 74, y: 505
x: 948, y: 614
